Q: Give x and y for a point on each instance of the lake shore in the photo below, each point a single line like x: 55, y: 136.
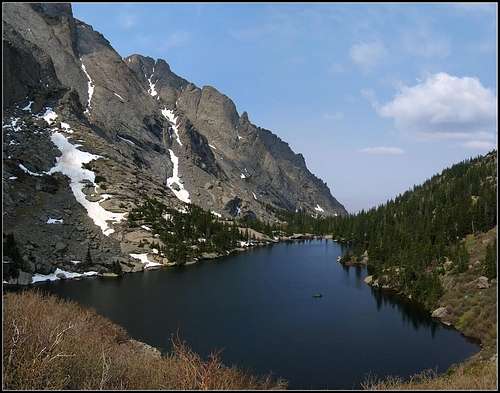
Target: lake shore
x: 464, y: 294
x: 265, y: 241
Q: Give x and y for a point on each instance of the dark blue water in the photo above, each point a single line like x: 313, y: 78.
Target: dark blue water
x: 258, y: 307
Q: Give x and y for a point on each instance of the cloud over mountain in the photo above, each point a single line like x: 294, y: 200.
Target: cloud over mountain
x: 444, y: 106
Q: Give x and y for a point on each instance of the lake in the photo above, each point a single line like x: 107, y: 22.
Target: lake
x: 258, y: 307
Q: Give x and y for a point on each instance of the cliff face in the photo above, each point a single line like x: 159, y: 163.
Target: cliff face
x: 68, y: 93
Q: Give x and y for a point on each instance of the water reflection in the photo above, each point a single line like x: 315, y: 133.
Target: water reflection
x: 411, y: 312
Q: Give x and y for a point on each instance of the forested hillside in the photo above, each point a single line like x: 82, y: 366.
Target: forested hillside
x: 409, y: 239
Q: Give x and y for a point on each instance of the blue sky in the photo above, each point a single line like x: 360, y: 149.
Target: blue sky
x: 377, y: 97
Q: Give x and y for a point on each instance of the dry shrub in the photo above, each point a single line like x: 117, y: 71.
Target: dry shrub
x: 49, y: 343
x: 480, y: 375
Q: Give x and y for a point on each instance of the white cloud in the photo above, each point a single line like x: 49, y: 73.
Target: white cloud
x: 383, y: 150
x: 367, y: 54
x: 444, y: 107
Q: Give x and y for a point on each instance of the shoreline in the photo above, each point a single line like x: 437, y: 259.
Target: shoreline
x: 447, y: 325
x: 296, y: 237
x: 368, y: 280
x: 393, y: 291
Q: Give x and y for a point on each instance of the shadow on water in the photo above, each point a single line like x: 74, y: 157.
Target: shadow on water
x: 411, y: 312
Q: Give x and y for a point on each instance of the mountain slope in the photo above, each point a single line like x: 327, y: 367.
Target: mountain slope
x: 408, y: 239
x: 87, y: 135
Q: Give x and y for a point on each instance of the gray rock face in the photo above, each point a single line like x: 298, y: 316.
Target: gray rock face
x: 145, y: 123
x: 252, y: 163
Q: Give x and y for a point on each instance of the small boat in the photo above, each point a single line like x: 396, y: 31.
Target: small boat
x: 317, y: 295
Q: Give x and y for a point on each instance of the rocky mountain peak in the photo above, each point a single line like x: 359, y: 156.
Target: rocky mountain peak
x: 54, y: 10
x: 244, y: 119
x: 145, y: 130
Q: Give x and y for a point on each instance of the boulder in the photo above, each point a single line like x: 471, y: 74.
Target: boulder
x: 368, y: 280
x: 482, y: 282
x: 109, y: 275
x: 440, y: 312
x: 209, y: 255
x: 61, y: 276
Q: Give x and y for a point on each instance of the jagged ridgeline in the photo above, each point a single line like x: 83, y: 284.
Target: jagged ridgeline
x: 409, y: 238
x: 86, y: 131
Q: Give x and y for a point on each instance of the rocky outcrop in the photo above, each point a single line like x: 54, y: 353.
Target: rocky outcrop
x: 440, y: 312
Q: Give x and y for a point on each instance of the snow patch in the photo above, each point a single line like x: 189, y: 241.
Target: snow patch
x: 216, y: 214
x: 26, y: 170
x: 152, y: 89
x: 70, y: 164
x: 53, y: 276
x: 49, y: 116
x: 170, y: 116
x: 181, y: 193
x: 243, y: 176
x: 212, y: 146
x: 66, y: 127
x: 146, y: 228
x: 254, y: 196
x: 318, y: 208
x: 13, y: 178
x: 144, y: 259
x: 90, y: 88
x: 13, y: 124
x: 28, y: 107
x: 54, y: 221
x: 119, y: 96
